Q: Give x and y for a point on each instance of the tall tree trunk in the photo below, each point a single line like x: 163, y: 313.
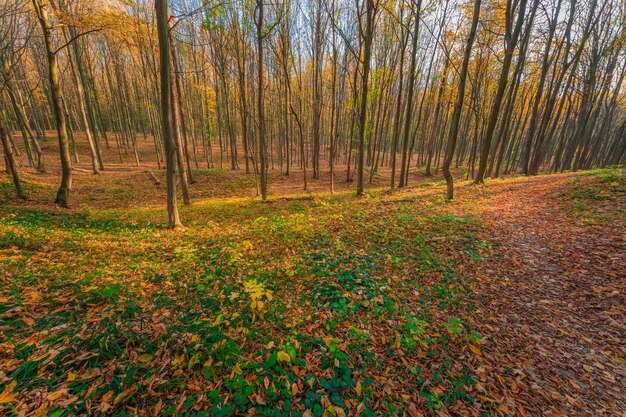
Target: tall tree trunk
x: 458, y: 106
x: 333, y: 117
x: 368, y: 36
x: 176, y: 130
x: 83, y: 110
x: 93, y: 130
x: 502, y: 82
x: 404, y: 168
x: 396, y: 124
x: 545, y: 66
x: 181, y: 118
x: 317, y: 95
x: 63, y: 193
x: 435, y: 128
x: 260, y: 108
x: 166, y: 112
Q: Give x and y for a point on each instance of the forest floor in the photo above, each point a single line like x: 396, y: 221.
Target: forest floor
x: 509, y: 301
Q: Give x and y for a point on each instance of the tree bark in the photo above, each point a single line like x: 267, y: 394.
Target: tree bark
x: 166, y: 113
x: 502, y: 82
x: 367, y: 52
x: 458, y: 106
x: 404, y: 168
x: 10, y: 161
x: 63, y: 193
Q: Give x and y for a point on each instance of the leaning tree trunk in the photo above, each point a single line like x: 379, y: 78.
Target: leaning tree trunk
x: 458, y: 106
x: 545, y: 66
x: 10, y: 161
x: 502, y: 83
x: 27, y: 132
x: 57, y: 100
x: 83, y: 110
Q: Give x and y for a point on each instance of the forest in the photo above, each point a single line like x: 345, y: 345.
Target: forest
x: 313, y: 207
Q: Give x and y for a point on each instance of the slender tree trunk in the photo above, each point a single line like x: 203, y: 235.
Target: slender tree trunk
x: 57, y: 99
x: 458, y: 106
x: 176, y: 130
x: 93, y: 130
x: 182, y: 127
x: 367, y: 52
x: 435, y: 128
x: 166, y: 112
x: 404, y: 169
x: 10, y: 161
x: 260, y: 108
x: 27, y: 132
x: 83, y: 112
x: 333, y: 109
x: 502, y: 82
x: 396, y: 125
x: 545, y: 66
x: 317, y: 96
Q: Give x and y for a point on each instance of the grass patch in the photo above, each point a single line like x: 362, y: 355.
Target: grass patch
x: 333, y: 305
x: 597, y: 196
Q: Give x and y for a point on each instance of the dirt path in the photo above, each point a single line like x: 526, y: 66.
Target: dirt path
x: 556, y: 302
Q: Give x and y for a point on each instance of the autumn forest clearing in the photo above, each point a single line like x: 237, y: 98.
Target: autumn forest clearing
x: 509, y: 301
x: 313, y: 208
